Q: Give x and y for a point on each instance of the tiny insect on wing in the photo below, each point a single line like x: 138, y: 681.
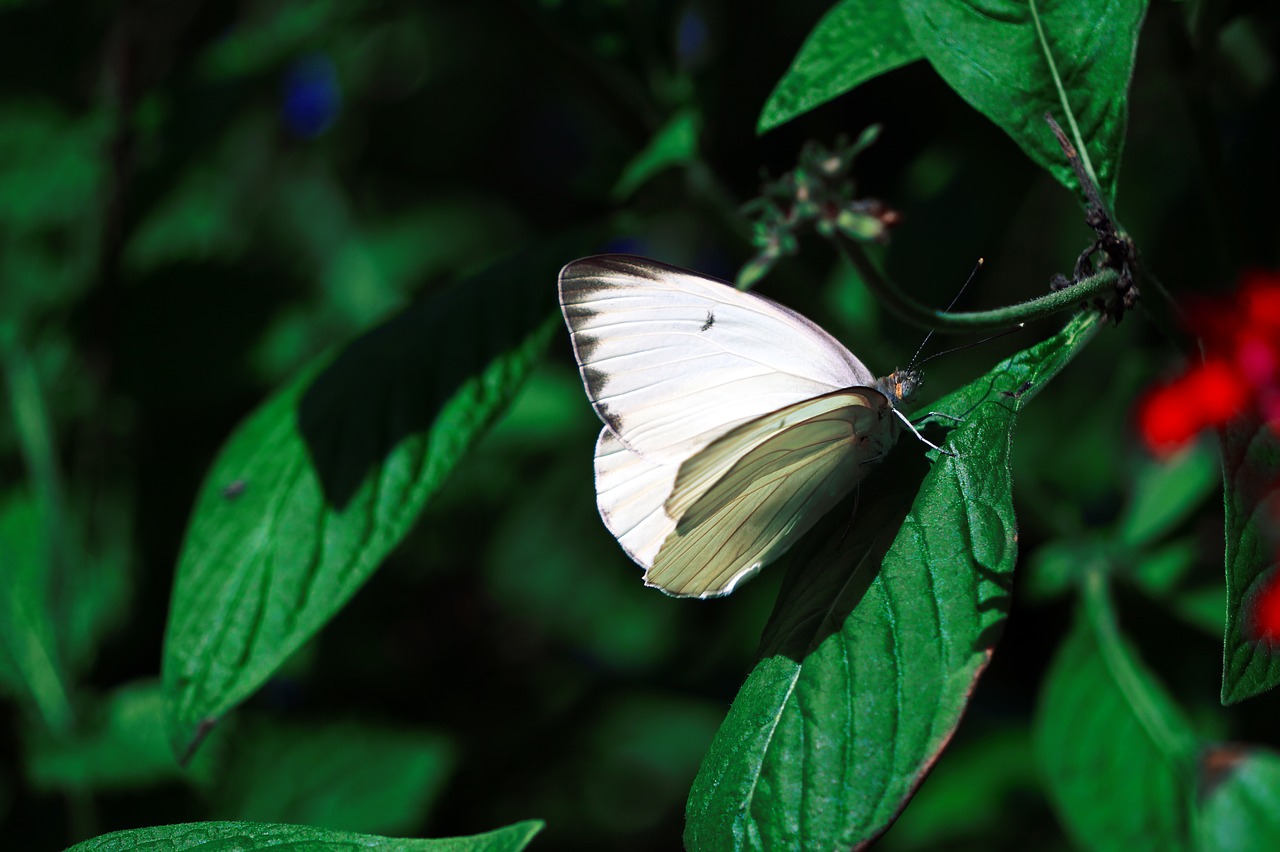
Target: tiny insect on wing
x: 732, y: 423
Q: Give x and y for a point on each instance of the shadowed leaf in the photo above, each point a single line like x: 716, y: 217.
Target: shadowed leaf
x: 324, y: 479
x: 1251, y: 465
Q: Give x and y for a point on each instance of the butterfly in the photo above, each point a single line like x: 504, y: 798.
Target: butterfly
x: 731, y: 423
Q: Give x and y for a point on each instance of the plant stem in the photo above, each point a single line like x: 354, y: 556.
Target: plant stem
x: 34, y: 657
x: 1170, y: 735
x: 915, y: 313
x: 1085, y: 162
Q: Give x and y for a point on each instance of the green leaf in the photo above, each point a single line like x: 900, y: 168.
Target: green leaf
x: 30, y: 663
x: 206, y: 217
x: 675, y: 144
x: 1014, y: 61
x: 966, y: 798
x: 247, y: 836
x: 262, y: 39
x: 1166, y: 494
x: 1239, y: 799
x: 1164, y: 574
x: 50, y: 166
x: 1115, y: 752
x: 1160, y: 571
x: 341, y: 776
x: 855, y: 41
x: 1059, y: 565
x: 1202, y: 607
x: 1251, y: 463
x: 121, y: 745
x: 324, y: 479
x: 876, y: 642
x: 60, y: 596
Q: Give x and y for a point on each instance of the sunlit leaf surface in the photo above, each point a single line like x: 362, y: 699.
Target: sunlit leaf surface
x: 249, y: 836
x: 855, y: 41
x: 1014, y: 61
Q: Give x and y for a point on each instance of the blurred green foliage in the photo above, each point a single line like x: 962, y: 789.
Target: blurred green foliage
x: 197, y: 201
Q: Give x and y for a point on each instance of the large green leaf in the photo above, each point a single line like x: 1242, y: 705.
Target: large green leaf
x: 855, y: 41
x: 1165, y: 494
x: 1251, y: 464
x: 318, y: 484
x: 1116, y: 753
x: 1015, y: 60
x: 248, y: 836
x: 1239, y: 800
x: 873, y: 649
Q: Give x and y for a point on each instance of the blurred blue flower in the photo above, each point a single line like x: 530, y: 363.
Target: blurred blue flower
x: 692, y: 38
x: 311, y: 96
x: 627, y: 245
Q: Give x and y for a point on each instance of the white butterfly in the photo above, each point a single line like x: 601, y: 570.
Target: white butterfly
x: 732, y: 423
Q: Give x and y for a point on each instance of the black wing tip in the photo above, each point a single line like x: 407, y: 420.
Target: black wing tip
x: 630, y: 264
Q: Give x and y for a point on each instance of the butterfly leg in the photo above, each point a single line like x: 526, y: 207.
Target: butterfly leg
x: 916, y: 432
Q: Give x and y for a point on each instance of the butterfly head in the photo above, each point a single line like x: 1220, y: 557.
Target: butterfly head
x: 899, y: 385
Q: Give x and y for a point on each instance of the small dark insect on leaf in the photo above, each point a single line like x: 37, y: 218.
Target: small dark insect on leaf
x: 711, y: 320
x: 1014, y: 394
x: 234, y: 489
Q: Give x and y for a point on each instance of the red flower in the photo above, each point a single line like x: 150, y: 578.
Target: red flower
x: 1265, y: 617
x: 1207, y: 395
x: 1240, y: 371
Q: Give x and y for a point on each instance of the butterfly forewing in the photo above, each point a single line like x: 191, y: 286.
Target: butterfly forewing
x: 672, y: 360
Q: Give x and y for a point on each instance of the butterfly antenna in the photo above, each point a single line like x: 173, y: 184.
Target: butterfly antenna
x: 1019, y: 327
x: 912, y: 365
x: 972, y: 274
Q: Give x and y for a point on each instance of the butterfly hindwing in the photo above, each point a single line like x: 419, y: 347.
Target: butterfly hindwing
x: 771, y: 491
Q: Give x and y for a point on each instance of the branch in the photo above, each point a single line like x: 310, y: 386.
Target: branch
x: 908, y: 309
